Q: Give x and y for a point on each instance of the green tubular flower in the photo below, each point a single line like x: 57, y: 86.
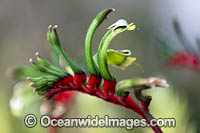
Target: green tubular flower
x: 46, y: 70
x: 41, y: 92
x: 118, y: 27
x: 124, y: 87
x: 88, y: 40
x: 53, y: 38
x: 47, y: 64
x: 55, y: 58
x: 47, y: 77
x: 43, y: 83
x: 40, y: 83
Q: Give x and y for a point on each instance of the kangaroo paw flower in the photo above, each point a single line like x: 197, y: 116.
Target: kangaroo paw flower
x: 54, y: 82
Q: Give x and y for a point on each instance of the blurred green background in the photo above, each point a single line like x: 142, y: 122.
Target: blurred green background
x: 24, y: 23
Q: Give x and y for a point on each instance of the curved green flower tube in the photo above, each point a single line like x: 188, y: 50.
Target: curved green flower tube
x: 118, y: 27
x: 53, y: 38
x: 124, y: 87
x: 47, y: 64
x: 88, y: 40
x: 46, y: 70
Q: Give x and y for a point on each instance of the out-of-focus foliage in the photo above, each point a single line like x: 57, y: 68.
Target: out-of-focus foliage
x: 172, y: 105
x: 187, y: 56
x: 23, y: 98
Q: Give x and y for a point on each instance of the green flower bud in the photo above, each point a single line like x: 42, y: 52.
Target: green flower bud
x: 47, y: 77
x: 47, y: 64
x: 43, y: 69
x: 53, y: 39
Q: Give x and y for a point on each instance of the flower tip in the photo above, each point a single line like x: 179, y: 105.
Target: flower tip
x: 30, y: 60
x: 156, y: 82
x: 127, y: 52
x: 49, y: 27
x: 112, y: 9
x: 34, y: 90
x: 55, y: 27
x: 164, y: 83
x: 37, y: 53
x: 31, y: 84
x: 118, y: 23
x: 131, y: 26
x: 151, y: 80
x: 28, y: 78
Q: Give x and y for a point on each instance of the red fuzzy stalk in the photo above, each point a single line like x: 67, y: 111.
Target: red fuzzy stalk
x: 58, y: 87
x: 145, y: 105
x: 109, y: 86
x: 79, y: 79
x: 77, y: 83
x: 94, y: 81
x: 65, y: 97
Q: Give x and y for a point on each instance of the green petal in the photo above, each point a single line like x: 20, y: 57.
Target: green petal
x: 120, y: 58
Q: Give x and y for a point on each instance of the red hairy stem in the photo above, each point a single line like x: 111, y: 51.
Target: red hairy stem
x: 145, y: 105
x: 66, y: 97
x: 77, y: 83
